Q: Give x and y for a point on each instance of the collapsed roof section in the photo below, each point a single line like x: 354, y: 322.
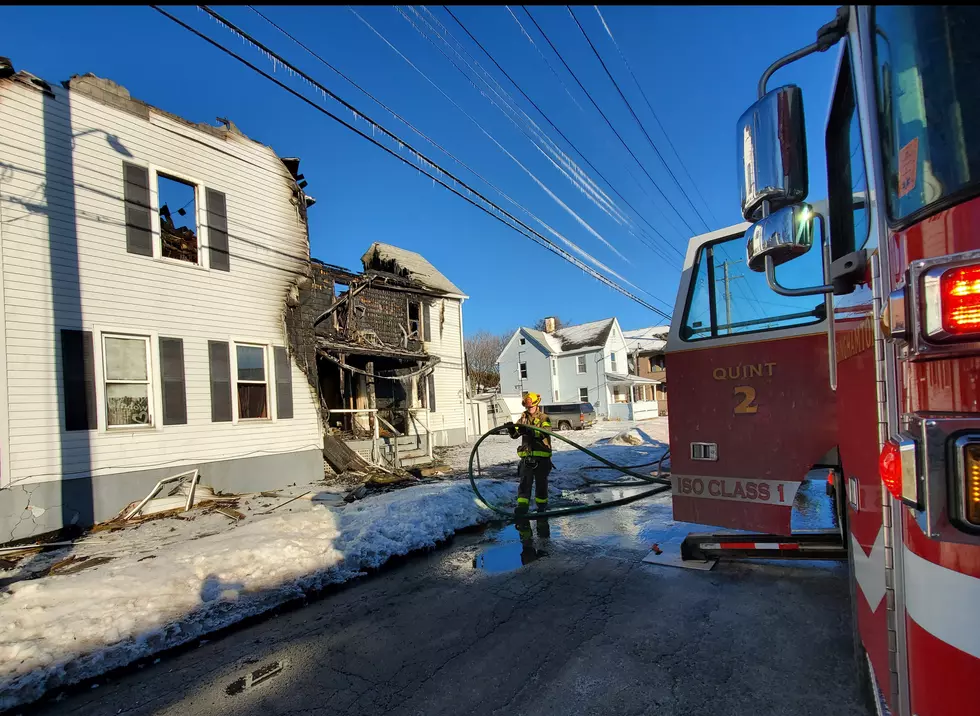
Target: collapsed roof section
x: 396, y: 262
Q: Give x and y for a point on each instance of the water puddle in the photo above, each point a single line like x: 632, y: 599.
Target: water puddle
x: 517, y: 545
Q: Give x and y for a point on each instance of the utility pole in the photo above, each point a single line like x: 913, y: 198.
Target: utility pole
x: 727, y: 279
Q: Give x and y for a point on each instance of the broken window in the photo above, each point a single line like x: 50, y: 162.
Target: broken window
x: 127, y: 383
x: 178, y: 219
x: 414, y: 319
x: 251, y: 386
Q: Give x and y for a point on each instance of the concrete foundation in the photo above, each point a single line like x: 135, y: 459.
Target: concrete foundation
x: 31, y: 509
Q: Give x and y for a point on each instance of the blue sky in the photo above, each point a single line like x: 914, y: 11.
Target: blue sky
x: 698, y: 66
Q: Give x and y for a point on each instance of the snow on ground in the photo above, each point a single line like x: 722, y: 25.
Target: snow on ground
x: 171, y: 581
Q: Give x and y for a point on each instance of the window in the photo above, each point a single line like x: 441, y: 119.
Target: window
x: 523, y: 342
x: 583, y: 395
x: 926, y: 68
x: 523, y: 371
x: 848, y: 186
x: 178, y: 219
x: 620, y: 395
x: 414, y: 320
x: 580, y: 364
x: 556, y: 396
x: 251, y: 386
x: 554, y: 367
x: 725, y: 298
x: 612, y: 361
x: 127, y: 380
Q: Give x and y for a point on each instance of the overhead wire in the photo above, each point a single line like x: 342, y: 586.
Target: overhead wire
x: 543, y: 57
x: 520, y: 227
x: 452, y: 156
x: 643, y: 129
x: 613, y: 128
x: 560, y: 133
x: 653, y: 112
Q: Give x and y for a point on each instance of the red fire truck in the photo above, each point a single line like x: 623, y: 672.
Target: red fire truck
x: 861, y: 357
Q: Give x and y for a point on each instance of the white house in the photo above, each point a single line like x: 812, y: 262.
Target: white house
x: 144, y: 265
x: 584, y: 363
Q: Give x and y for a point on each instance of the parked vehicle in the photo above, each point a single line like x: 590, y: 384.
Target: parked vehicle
x: 566, y: 416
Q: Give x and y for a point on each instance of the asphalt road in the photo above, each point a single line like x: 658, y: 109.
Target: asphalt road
x: 583, y: 628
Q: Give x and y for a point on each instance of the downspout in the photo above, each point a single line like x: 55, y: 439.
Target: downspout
x: 462, y: 372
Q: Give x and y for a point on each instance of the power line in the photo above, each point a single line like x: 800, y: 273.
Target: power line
x: 654, y: 113
x: 643, y: 129
x: 452, y: 156
x: 546, y: 60
x: 610, y: 124
x: 548, y: 120
x: 527, y: 231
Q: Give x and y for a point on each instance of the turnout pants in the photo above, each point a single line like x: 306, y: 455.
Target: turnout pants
x: 534, y: 470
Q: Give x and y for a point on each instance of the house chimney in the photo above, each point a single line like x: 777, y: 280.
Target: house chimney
x: 549, y: 324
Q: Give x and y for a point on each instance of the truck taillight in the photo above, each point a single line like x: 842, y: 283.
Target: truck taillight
x: 581, y: 416
x: 960, y: 296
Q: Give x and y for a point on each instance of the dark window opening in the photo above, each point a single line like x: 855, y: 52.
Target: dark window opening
x: 178, y: 219
x: 414, y: 319
x: 524, y: 371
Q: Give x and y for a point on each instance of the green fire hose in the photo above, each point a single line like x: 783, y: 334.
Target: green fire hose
x: 662, y: 483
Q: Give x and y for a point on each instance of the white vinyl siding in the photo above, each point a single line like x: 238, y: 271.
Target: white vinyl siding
x: 445, y: 331
x: 65, y: 265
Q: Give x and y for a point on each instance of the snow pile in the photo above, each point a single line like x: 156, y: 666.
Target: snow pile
x: 62, y: 628
x: 628, y: 437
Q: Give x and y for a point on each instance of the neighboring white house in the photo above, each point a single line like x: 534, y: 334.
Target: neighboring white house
x: 584, y: 363
x: 144, y: 263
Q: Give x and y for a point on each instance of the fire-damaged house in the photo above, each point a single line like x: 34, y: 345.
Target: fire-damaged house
x: 145, y: 262
x: 387, y: 346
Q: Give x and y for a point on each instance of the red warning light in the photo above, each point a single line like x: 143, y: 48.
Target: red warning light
x: 960, y: 289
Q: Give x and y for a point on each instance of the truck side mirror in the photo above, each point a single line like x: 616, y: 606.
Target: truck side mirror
x: 771, y: 146
x: 781, y: 236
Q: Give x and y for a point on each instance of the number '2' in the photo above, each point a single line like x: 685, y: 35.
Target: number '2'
x: 747, y: 404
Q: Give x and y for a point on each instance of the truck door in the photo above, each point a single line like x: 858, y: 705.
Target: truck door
x: 751, y: 407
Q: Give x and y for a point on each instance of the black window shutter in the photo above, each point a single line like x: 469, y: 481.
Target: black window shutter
x: 172, y: 378
x: 426, y: 321
x: 284, y: 383
x: 432, y: 392
x: 218, y: 230
x: 139, y: 235
x: 78, y: 378
x: 220, y: 363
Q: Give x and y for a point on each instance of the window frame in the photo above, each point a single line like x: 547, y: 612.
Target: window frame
x: 200, y: 216
x: 586, y: 398
x: 522, y: 341
x: 840, y: 192
x: 522, y: 370
x: 270, y: 387
x: 612, y: 361
x: 149, y: 341
x: 409, y: 320
x: 581, y: 365
x: 713, y: 333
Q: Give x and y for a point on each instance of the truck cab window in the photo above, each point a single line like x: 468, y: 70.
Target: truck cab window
x: 927, y: 62
x: 726, y: 298
x: 848, y: 185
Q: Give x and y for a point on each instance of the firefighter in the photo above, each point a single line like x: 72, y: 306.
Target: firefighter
x: 535, y: 454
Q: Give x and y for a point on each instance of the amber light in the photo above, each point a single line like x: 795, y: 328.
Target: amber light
x: 960, y: 290
x: 971, y: 483
x: 890, y: 468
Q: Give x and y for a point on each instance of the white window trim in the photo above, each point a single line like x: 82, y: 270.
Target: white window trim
x: 581, y: 365
x: 200, y: 199
x: 586, y: 398
x: 270, y: 385
x: 554, y: 367
x: 154, y: 399
x: 522, y: 370
x: 522, y: 341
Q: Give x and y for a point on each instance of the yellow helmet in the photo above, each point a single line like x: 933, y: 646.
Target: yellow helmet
x: 531, y: 399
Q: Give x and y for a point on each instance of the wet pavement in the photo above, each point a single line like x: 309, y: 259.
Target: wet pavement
x: 555, y: 616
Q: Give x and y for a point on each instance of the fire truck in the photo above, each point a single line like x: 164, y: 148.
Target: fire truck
x: 844, y: 336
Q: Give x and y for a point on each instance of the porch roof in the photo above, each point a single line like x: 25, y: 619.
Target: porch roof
x: 630, y: 379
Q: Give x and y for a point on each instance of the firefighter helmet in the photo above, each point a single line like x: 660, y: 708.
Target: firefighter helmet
x: 531, y: 399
